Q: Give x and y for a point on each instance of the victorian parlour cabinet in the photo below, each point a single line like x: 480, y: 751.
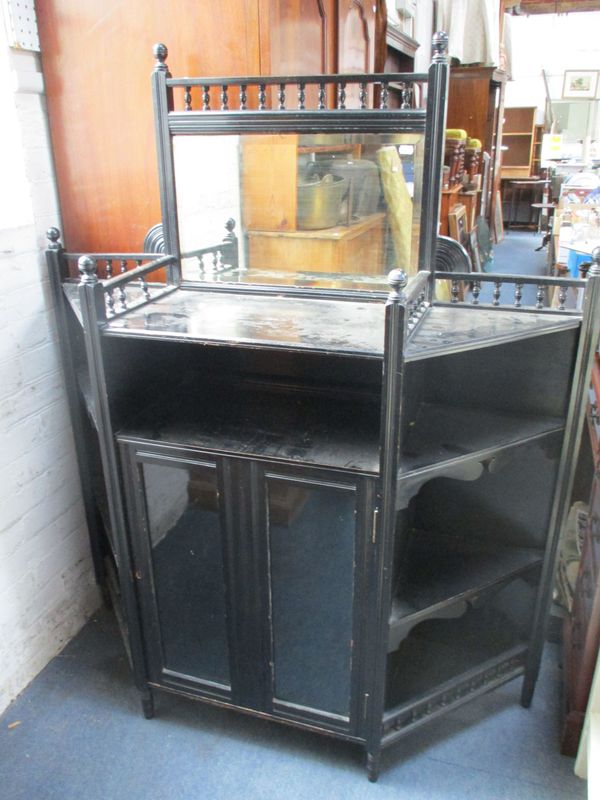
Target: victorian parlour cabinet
x: 314, y: 497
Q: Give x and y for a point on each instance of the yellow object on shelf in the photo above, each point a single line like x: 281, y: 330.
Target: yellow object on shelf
x: 456, y: 133
x: 474, y: 143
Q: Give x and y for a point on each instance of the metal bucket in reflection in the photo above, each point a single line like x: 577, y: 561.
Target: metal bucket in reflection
x: 320, y: 202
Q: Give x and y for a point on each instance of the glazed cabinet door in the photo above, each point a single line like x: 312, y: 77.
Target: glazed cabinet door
x: 179, y: 551
x: 314, y: 525
x: 251, y: 581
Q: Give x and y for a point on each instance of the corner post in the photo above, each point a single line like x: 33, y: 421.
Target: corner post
x: 162, y: 96
x: 57, y: 273
x: 437, y: 91
x: 91, y: 296
x: 383, y: 537
x: 588, y: 342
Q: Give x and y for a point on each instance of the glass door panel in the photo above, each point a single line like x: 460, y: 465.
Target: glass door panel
x: 187, y: 564
x: 311, y: 542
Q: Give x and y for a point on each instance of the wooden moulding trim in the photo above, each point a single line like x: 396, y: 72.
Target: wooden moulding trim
x: 236, y: 122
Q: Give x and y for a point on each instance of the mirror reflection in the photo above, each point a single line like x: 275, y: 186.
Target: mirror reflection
x: 319, y: 210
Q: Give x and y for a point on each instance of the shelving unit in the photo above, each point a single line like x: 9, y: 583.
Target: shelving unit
x: 333, y: 508
x: 536, y: 161
x: 519, y: 140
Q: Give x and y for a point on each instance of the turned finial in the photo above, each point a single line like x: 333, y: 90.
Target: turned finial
x: 595, y: 268
x: 230, y: 225
x: 440, y: 46
x: 88, y: 270
x: 53, y: 236
x: 160, y: 53
x: 397, y: 280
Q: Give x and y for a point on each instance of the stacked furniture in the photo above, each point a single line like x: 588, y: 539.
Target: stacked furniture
x: 329, y: 505
x: 454, y: 155
x: 476, y: 103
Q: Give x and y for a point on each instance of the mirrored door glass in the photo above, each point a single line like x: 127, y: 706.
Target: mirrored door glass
x: 187, y: 563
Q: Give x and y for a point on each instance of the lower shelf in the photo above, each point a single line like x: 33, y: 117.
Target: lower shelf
x: 446, y: 696
x: 438, y: 652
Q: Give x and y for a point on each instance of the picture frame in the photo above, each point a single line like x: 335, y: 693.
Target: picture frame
x: 474, y: 251
x: 457, y: 224
x: 580, y: 84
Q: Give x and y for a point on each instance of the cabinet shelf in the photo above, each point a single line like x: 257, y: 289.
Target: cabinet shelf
x: 443, y: 575
x: 440, y: 650
x: 440, y: 435
x: 308, y: 428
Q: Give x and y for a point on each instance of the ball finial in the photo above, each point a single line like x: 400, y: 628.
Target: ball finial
x: 160, y: 53
x: 397, y: 280
x: 230, y: 225
x: 53, y: 236
x: 440, y: 46
x: 88, y: 270
x: 595, y: 268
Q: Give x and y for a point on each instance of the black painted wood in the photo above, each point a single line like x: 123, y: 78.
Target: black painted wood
x: 424, y: 439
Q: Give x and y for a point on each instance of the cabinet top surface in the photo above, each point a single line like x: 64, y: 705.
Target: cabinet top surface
x: 349, y: 328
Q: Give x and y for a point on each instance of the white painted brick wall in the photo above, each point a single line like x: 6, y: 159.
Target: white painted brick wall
x: 47, y: 588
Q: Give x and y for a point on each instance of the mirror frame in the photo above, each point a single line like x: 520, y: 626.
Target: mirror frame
x: 429, y: 121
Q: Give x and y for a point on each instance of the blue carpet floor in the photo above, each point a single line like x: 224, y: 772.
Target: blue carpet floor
x: 516, y: 254
x: 77, y: 731
x: 81, y: 735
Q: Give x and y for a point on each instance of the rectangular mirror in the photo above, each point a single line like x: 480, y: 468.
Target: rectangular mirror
x: 324, y: 211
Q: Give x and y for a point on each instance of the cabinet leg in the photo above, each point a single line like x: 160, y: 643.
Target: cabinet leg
x: 106, y: 598
x: 373, y: 765
x: 527, y: 691
x: 147, y: 699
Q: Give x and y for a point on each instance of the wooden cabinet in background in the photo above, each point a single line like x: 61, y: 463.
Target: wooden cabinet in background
x: 105, y: 164
x: 518, y: 140
x: 476, y: 104
x: 355, y: 249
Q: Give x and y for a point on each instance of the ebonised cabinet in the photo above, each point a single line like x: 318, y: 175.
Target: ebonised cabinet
x: 337, y: 508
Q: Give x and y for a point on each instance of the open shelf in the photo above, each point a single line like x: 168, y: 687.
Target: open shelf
x: 440, y: 650
x: 442, y: 573
x: 307, y: 427
x: 439, y: 434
